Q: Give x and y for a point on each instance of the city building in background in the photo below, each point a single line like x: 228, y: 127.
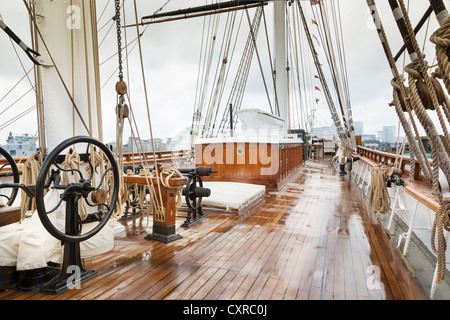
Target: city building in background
x: 389, y: 134
x: 359, y: 128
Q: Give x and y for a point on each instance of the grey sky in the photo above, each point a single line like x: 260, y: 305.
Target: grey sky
x: 171, y: 54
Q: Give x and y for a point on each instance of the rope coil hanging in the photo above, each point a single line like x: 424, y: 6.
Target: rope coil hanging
x: 166, y: 173
x: 30, y: 173
x: 441, y: 38
x: 437, y: 149
x: 73, y: 161
x: 378, y: 194
x: 441, y: 223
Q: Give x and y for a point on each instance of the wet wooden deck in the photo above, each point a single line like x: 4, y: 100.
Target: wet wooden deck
x: 313, y: 239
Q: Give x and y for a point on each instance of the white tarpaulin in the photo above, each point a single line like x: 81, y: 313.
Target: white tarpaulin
x: 231, y: 195
x: 28, y: 245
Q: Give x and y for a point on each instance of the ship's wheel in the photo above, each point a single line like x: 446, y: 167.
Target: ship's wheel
x: 7, y: 170
x: 89, y: 182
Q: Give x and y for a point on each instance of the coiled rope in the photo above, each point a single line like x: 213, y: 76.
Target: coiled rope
x: 441, y: 38
x: 378, y: 195
x: 166, y: 173
x: 437, y: 149
x: 441, y: 223
x: 30, y: 173
x: 73, y: 161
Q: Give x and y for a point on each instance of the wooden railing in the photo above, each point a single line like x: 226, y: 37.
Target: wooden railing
x: 128, y: 158
x: 19, y: 162
x: 148, y: 157
x: 386, y: 157
x: 419, y: 188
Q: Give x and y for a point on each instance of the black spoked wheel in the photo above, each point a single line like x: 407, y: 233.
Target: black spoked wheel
x: 194, y: 193
x: 83, y: 180
x: 89, y: 185
x: 192, y: 201
x: 7, y: 170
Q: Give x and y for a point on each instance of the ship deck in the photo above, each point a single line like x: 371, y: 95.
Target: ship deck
x: 315, y: 238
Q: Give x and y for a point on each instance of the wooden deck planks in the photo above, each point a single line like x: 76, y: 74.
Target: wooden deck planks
x: 313, y: 239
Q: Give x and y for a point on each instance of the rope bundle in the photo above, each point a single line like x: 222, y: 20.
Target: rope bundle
x: 378, y: 195
x: 437, y: 149
x: 441, y: 222
x: 416, y: 150
x: 167, y: 172
x: 73, y: 161
x: 441, y: 38
x: 30, y: 173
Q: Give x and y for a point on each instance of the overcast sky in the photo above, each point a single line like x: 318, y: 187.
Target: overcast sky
x: 171, y: 55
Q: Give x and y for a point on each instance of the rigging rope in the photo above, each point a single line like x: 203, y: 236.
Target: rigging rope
x: 343, y: 135
x: 157, y: 200
x: 17, y: 83
x: 36, y: 28
x: 218, y: 88
x: 207, y: 63
x: 414, y: 69
x: 420, y: 154
x: 337, y: 70
x: 442, y: 160
x: 240, y: 81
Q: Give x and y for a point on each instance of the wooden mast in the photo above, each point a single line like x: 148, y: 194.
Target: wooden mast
x: 280, y: 62
x: 66, y: 39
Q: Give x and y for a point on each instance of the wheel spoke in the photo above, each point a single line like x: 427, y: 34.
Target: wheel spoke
x: 56, y: 207
x: 77, y: 190
x: 67, y: 170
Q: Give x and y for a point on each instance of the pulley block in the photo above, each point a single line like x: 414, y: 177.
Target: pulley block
x: 425, y: 94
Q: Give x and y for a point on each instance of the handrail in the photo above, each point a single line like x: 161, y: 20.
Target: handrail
x: 386, y: 157
x: 19, y: 161
x: 419, y: 188
x: 129, y: 157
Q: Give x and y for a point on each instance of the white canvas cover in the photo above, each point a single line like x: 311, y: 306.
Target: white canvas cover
x: 231, y: 195
x: 28, y: 245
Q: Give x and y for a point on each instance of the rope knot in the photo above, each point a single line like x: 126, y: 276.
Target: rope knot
x: 441, y: 223
x: 414, y: 69
x: 441, y: 37
x: 395, y: 84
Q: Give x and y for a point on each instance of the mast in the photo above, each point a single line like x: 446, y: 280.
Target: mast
x: 66, y: 38
x: 280, y: 63
x: 343, y: 135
